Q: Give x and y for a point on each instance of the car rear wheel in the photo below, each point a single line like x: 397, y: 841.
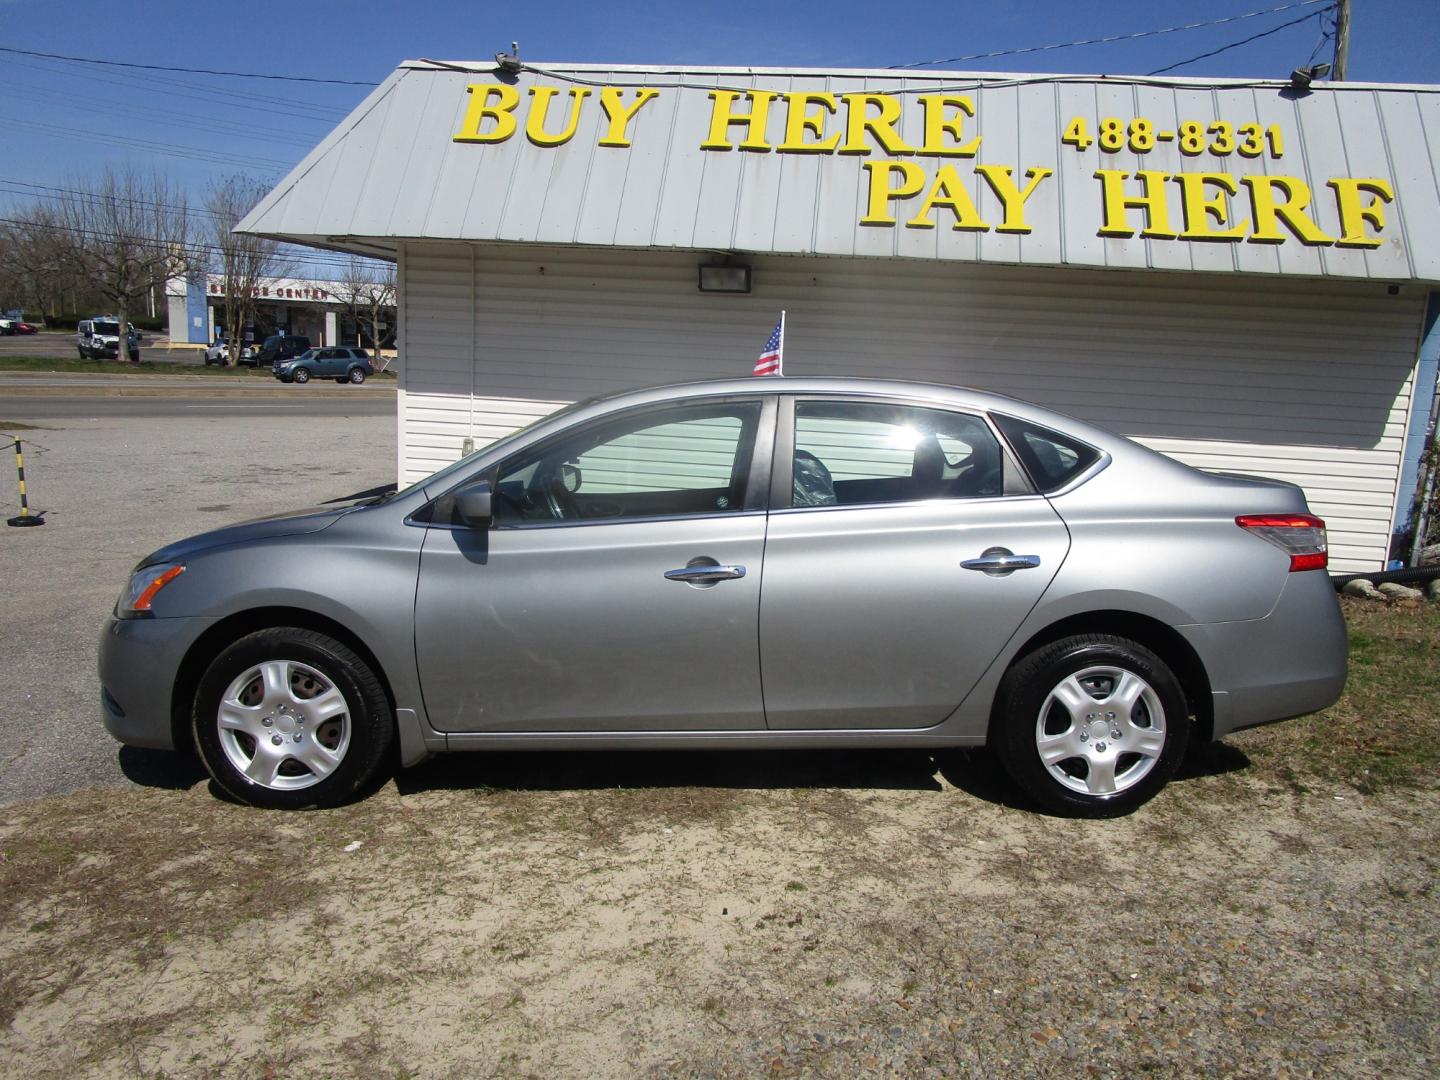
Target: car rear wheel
x: 1092, y: 725
x: 357, y: 375
x: 300, y: 375
x: 291, y: 719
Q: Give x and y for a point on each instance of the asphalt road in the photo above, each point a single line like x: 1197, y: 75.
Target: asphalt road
x: 38, y: 408
x: 115, y: 485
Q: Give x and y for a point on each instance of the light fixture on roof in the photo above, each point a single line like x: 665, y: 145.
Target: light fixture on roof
x: 1301, y: 78
x: 725, y: 276
x: 511, y: 61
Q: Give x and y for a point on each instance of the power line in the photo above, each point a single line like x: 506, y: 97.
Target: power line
x: 1243, y: 41
x: 233, y: 99
x: 183, y: 70
x: 148, y: 145
x: 293, y: 254
x: 1114, y: 38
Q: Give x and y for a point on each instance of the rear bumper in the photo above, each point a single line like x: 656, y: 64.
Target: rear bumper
x: 139, y: 659
x: 1290, y: 663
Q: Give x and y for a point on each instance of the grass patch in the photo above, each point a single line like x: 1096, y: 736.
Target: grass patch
x: 15, y: 425
x: 1385, y: 730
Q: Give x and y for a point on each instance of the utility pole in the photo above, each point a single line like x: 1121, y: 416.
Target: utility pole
x: 1342, y: 40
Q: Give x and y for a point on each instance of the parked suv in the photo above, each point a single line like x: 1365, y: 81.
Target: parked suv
x: 99, y: 338
x: 341, y: 363
x: 278, y: 348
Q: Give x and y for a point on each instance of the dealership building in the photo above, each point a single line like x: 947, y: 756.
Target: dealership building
x: 297, y: 306
x: 1241, y: 274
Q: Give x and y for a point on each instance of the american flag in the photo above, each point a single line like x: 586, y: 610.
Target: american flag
x: 772, y: 355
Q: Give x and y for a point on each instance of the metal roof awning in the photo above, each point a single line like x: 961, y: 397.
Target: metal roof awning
x: 1334, y: 180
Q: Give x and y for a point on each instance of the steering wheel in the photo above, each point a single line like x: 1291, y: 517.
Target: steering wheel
x: 558, y: 500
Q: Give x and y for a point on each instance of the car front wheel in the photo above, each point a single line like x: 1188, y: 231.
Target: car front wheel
x: 1092, y: 725
x: 300, y: 375
x: 291, y: 719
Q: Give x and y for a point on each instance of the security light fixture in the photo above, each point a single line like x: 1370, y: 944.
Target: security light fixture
x: 1301, y: 78
x: 725, y: 277
x: 509, y: 62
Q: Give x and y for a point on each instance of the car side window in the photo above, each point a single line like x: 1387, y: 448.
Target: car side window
x: 1051, y: 459
x: 658, y: 463
x: 851, y: 453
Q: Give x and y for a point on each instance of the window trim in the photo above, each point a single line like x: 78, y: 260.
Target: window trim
x: 1015, y: 483
x: 757, y: 481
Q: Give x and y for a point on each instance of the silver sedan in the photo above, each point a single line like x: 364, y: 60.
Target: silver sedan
x: 788, y: 562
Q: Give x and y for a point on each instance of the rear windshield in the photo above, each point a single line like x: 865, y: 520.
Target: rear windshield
x: 1051, y: 459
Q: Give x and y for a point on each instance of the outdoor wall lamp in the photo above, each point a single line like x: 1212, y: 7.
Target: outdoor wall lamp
x: 725, y: 277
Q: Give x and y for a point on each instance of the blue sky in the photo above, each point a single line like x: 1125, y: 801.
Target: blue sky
x: 64, y: 119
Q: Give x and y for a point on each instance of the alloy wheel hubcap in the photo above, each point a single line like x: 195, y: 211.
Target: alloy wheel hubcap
x: 1100, y: 731
x: 284, y: 725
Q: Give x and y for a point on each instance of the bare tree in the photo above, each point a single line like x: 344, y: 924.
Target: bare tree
x: 126, y: 231
x: 367, y: 289
x: 242, y: 261
x: 42, y: 266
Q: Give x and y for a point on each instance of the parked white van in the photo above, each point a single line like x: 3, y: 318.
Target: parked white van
x: 99, y: 338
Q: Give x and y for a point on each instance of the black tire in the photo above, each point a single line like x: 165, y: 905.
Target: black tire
x: 342, y: 381
x: 83, y: 354
x: 370, y: 725
x: 300, y: 375
x: 1065, y: 786
x: 357, y: 375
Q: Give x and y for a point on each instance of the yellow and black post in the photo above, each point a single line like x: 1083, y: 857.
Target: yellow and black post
x: 25, y: 518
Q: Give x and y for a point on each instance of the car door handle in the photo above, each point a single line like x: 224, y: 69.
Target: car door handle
x: 706, y: 574
x: 1000, y: 561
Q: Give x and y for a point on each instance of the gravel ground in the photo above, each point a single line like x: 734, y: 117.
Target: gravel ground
x: 114, y: 489
x: 722, y: 915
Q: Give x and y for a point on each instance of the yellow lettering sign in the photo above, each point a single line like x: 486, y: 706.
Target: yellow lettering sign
x: 911, y: 180
x: 540, y: 112
x: 858, y: 121
x: 612, y: 100
x: 1199, y: 207
x: 1002, y: 182
x: 938, y: 125
x: 948, y: 191
x: 480, y: 109
x: 1152, y: 202
x: 799, y: 119
x: 1354, y: 214
x: 723, y: 116
x: 1290, y: 208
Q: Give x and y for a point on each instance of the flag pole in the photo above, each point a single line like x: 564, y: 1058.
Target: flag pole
x: 780, y: 360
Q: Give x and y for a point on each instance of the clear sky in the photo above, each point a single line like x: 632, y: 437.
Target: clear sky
x: 63, y: 119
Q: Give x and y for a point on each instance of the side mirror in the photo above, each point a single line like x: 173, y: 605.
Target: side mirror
x: 472, y: 504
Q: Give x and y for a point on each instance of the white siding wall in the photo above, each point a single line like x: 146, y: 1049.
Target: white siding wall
x: 1307, y: 381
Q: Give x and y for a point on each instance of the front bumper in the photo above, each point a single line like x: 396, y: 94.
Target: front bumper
x: 139, y: 659
x: 1291, y: 663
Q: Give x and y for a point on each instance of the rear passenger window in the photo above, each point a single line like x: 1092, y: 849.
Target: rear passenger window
x: 1051, y: 459
x: 853, y: 453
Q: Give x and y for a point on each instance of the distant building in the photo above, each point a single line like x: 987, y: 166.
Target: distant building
x: 298, y: 306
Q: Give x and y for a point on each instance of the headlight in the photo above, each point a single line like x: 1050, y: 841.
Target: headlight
x: 143, y: 587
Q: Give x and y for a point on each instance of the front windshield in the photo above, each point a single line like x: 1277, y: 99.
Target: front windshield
x: 439, y: 477
x: 112, y: 329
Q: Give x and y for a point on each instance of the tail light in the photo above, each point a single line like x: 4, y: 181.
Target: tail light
x: 1301, y: 536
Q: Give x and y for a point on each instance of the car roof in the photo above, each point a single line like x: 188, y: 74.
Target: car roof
x: 940, y: 394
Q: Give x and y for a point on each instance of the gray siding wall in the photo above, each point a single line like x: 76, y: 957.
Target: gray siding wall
x: 1306, y: 381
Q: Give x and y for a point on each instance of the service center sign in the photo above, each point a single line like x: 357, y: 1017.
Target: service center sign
x: 929, y: 181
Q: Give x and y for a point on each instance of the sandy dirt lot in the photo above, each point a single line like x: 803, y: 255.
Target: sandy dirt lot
x: 723, y: 915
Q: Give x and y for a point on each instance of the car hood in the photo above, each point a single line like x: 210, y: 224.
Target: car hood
x: 290, y: 523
